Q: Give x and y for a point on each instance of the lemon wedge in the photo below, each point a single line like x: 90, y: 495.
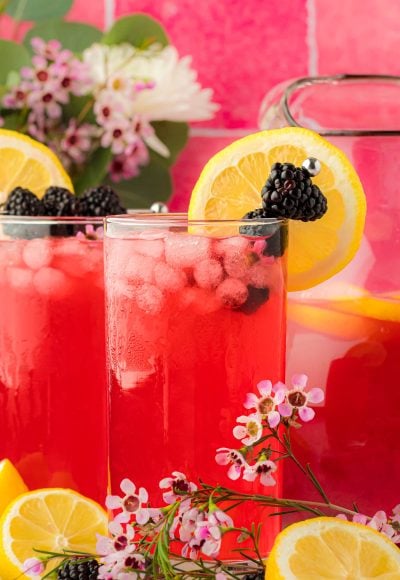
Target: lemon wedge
x: 27, y: 163
x: 332, y: 548
x: 47, y: 519
x: 231, y: 182
x: 11, y: 484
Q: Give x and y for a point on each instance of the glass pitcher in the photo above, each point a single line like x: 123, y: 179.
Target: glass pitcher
x: 345, y: 332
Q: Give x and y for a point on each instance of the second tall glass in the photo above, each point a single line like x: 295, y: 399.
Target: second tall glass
x: 196, y: 318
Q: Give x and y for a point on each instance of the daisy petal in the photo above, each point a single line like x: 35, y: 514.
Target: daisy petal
x: 128, y: 487
x: 315, y: 395
x: 299, y: 381
x: 113, y: 502
x: 285, y: 409
x: 306, y: 414
x: 273, y: 419
x: 265, y: 387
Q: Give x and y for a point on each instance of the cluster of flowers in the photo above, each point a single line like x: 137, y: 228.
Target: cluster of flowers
x: 140, y: 535
x: 129, y: 88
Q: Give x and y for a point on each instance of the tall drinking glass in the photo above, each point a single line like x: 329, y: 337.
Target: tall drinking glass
x: 345, y: 333
x: 195, y: 318
x: 52, y: 352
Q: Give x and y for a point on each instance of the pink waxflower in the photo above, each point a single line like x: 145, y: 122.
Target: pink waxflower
x: 208, y: 537
x: 179, y: 487
x: 251, y: 430
x: 91, y: 233
x: 47, y: 100
x: 131, y: 503
x: 297, y: 399
x: 16, y: 98
x: 119, y: 541
x: 191, y: 518
x: 266, y: 404
x: 232, y: 457
x: 77, y: 141
x: 264, y: 468
x: 33, y: 567
x: 48, y: 50
x: 383, y: 524
x: 127, y: 165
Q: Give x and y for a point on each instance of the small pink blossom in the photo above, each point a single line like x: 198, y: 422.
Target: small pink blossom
x: 179, y: 487
x: 190, y: 520
x: 131, y: 503
x: 251, y: 430
x: 297, y: 399
x: 263, y: 469
x: 127, y: 165
x: 380, y: 522
x: 48, y: 50
x: 91, y: 233
x: 232, y: 457
x: 77, y: 141
x: 33, y: 567
x: 267, y: 403
x: 208, y: 537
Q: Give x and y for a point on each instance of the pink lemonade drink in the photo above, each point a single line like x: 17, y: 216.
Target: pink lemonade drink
x: 52, y: 359
x: 196, y: 318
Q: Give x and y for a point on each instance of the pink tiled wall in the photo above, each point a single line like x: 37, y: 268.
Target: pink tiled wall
x: 242, y: 48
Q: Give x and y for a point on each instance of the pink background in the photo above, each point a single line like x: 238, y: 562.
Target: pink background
x: 242, y: 48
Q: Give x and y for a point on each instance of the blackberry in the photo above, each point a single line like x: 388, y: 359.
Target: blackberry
x: 59, y: 201
x: 255, y: 298
x: 256, y: 576
x: 78, y: 569
x: 23, y: 202
x: 290, y: 193
x: 259, y: 229
x: 277, y: 242
x: 100, y: 201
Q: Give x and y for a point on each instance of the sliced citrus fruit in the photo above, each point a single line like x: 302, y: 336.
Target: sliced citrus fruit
x: 332, y: 548
x: 48, y: 519
x: 230, y: 185
x: 377, y: 307
x: 11, y: 484
x: 27, y: 163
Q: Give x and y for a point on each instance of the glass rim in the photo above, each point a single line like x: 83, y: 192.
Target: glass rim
x: 337, y: 79
x: 181, y: 219
x: 49, y: 220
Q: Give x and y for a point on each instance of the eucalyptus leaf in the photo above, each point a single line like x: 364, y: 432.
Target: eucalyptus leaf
x: 13, y: 57
x: 152, y: 184
x: 174, y: 136
x: 94, y: 172
x: 36, y: 10
x: 13, y: 121
x: 73, y: 35
x: 138, y: 29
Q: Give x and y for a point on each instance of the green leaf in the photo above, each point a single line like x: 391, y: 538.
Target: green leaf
x: 72, y: 35
x: 152, y: 184
x: 13, y: 57
x: 94, y: 172
x: 36, y: 10
x: 174, y: 136
x: 80, y: 108
x: 138, y: 29
x: 13, y: 121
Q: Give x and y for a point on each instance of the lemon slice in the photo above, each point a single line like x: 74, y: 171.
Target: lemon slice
x: 11, y: 484
x: 332, y: 548
x: 47, y: 519
x: 27, y: 163
x: 379, y: 307
x: 230, y: 185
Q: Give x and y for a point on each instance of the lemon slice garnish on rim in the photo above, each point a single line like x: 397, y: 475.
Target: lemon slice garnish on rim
x: 27, y: 163
x: 49, y: 519
x: 332, y: 548
x: 231, y: 182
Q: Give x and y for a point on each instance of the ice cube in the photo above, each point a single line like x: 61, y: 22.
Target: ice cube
x: 149, y: 298
x: 232, y: 293
x: 20, y: 278
x: 198, y: 300
x: 152, y: 248
x: 76, y: 258
x: 11, y: 252
x: 263, y: 274
x: 52, y: 283
x: 140, y: 269
x: 186, y: 251
x: 37, y: 253
x: 168, y: 278
x: 208, y: 273
x: 231, y: 246
x: 238, y: 265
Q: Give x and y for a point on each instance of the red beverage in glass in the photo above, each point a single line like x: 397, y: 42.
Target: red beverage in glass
x: 195, y: 320
x: 52, y: 359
